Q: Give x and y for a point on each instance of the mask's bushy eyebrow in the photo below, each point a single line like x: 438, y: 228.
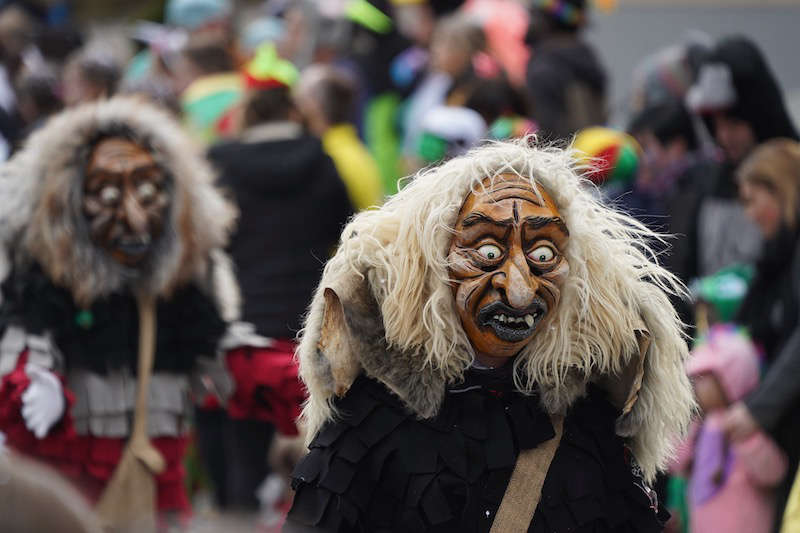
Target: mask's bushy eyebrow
x: 477, y: 218
x: 540, y: 222
x: 96, y: 178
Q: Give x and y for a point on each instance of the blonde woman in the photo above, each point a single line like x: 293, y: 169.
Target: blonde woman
x: 769, y: 186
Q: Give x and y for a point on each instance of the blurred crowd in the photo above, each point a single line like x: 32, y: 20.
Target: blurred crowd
x: 310, y: 111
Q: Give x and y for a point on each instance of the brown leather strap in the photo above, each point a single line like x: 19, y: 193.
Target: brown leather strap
x: 525, y: 486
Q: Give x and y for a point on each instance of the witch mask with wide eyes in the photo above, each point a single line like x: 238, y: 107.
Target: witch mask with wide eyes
x: 507, y: 265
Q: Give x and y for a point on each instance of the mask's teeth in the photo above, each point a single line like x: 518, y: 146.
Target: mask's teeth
x: 529, y: 320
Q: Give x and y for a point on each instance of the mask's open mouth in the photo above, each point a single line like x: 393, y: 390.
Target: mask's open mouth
x: 133, y: 246
x: 509, y: 324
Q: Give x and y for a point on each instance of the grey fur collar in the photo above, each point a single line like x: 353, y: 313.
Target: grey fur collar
x: 352, y: 338
x: 357, y: 317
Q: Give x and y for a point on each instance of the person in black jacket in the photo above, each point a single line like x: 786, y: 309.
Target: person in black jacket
x: 740, y: 101
x: 769, y: 182
x: 485, y: 351
x: 566, y: 82
x: 292, y: 206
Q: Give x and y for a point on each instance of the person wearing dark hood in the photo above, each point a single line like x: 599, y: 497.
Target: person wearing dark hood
x: 769, y: 185
x: 566, y: 83
x: 293, y: 205
x: 740, y: 101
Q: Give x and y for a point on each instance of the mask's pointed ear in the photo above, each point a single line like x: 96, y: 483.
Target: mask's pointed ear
x: 623, y: 388
x: 335, y: 345
x: 345, y: 336
x: 651, y: 390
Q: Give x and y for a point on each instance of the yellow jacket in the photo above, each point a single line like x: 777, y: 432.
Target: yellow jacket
x: 355, y: 165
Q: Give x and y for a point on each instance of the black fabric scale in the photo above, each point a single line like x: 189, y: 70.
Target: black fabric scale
x: 377, y: 468
x: 188, y: 324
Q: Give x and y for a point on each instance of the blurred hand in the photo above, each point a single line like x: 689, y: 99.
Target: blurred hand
x: 42, y: 401
x: 738, y: 423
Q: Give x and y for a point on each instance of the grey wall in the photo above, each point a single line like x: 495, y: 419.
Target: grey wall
x: 630, y: 33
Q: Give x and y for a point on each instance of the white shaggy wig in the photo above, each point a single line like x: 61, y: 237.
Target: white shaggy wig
x: 42, y: 220
x: 389, y: 283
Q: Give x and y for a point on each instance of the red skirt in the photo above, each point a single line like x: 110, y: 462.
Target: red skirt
x: 267, y: 385
x: 87, y: 461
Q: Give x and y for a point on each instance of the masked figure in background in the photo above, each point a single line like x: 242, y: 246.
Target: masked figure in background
x: 489, y: 351
x: 107, y: 201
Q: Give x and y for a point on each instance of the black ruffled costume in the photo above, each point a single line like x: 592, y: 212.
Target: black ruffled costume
x: 103, y: 339
x: 378, y: 468
x: 106, y: 336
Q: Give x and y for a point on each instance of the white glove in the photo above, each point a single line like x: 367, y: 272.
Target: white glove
x: 42, y: 401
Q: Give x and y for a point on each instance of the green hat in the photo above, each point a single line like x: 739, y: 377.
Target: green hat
x: 267, y: 70
x: 725, y: 290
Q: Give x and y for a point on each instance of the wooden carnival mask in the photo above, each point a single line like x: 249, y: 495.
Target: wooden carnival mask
x: 125, y: 200
x: 508, y: 265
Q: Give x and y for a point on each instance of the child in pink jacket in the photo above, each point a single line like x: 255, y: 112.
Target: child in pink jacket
x: 730, y: 484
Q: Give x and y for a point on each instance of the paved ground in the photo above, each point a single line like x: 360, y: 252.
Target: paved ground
x: 207, y: 519
x: 224, y: 523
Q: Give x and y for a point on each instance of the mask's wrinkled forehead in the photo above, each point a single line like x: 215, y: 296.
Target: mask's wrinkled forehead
x: 507, y: 185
